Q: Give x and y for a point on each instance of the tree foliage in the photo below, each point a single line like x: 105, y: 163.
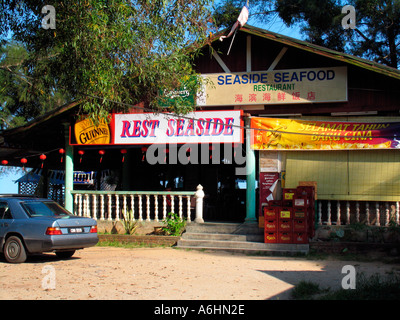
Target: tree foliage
x: 377, y: 33
x: 22, y: 98
x: 112, y: 53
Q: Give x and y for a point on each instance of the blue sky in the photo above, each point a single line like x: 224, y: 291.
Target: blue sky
x: 7, y: 179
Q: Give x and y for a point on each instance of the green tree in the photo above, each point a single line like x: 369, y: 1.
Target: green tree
x: 377, y: 33
x: 112, y: 51
x: 21, y: 98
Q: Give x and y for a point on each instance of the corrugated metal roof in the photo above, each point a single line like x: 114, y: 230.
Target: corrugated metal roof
x: 319, y: 50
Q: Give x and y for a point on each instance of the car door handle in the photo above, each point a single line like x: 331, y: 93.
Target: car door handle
x: 5, y: 224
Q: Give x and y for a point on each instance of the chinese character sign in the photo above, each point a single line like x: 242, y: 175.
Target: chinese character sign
x: 276, y: 87
x: 288, y: 134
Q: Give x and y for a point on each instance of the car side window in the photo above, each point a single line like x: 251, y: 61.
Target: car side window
x: 5, y: 212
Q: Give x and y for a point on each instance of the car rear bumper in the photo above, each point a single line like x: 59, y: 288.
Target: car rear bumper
x: 63, y: 242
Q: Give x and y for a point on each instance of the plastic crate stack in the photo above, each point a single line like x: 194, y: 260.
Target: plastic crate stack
x: 292, y: 219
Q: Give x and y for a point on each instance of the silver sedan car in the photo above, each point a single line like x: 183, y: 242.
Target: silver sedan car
x: 32, y: 225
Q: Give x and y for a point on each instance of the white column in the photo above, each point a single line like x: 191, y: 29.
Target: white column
x: 378, y: 215
x: 102, y: 207
x: 94, y: 206
x: 133, y: 206
x: 357, y: 212
x: 164, y: 206
x: 320, y: 213
x: 180, y: 206
x: 116, y: 207
x: 86, y: 210
x: 148, y: 207
x: 387, y: 217
x: 338, y: 213
x: 199, y: 204
x: 109, y: 207
x: 140, y: 208
x: 125, y: 209
x: 188, y: 209
x: 156, y: 207
x: 329, y: 214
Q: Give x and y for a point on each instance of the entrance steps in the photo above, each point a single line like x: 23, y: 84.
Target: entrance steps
x: 245, y: 238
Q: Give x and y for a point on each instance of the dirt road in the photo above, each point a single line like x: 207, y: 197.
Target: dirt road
x: 166, y: 273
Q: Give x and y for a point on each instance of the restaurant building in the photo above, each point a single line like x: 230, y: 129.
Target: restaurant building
x: 278, y: 112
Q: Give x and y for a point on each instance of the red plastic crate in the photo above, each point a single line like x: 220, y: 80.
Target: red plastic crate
x: 288, y: 194
x: 270, y: 213
x: 308, y: 191
x: 301, y: 202
x: 287, y: 203
x: 300, y: 237
x: 285, y: 213
x: 270, y: 237
x: 285, y: 237
x: 271, y: 225
x: 299, y: 213
x: 299, y: 225
x: 275, y: 203
x: 285, y: 225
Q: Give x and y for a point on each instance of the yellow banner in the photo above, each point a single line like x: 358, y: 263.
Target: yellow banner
x: 287, y: 134
x: 87, y: 133
x: 275, y: 87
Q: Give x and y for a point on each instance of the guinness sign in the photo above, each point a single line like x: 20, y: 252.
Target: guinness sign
x: 87, y: 133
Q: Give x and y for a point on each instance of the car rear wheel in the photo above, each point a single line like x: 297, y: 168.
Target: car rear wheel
x: 65, y: 254
x: 14, y: 250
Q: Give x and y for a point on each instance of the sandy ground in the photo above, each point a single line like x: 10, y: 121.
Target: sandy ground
x: 169, y: 274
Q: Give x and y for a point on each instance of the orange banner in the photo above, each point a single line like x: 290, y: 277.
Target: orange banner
x: 288, y: 134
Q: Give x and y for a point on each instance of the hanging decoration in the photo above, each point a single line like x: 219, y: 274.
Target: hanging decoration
x: 101, y: 153
x: 166, y: 151
x: 211, y: 148
x: 24, y: 161
x: 188, y: 153
x: 81, y: 153
x: 123, y: 152
x: 144, y: 149
x: 42, y: 157
x: 61, y: 152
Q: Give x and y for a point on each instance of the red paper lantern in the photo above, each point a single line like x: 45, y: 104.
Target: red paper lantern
x: 165, y: 151
x: 144, y: 149
x: 23, y: 161
x: 81, y: 153
x: 4, y: 162
x: 42, y: 157
x: 101, y: 153
x: 123, y: 152
x: 61, y: 151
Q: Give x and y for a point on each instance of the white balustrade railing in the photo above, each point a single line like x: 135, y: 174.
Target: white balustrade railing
x: 331, y: 212
x: 144, y: 205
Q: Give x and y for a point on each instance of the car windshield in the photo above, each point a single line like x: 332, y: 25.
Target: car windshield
x: 44, y: 209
